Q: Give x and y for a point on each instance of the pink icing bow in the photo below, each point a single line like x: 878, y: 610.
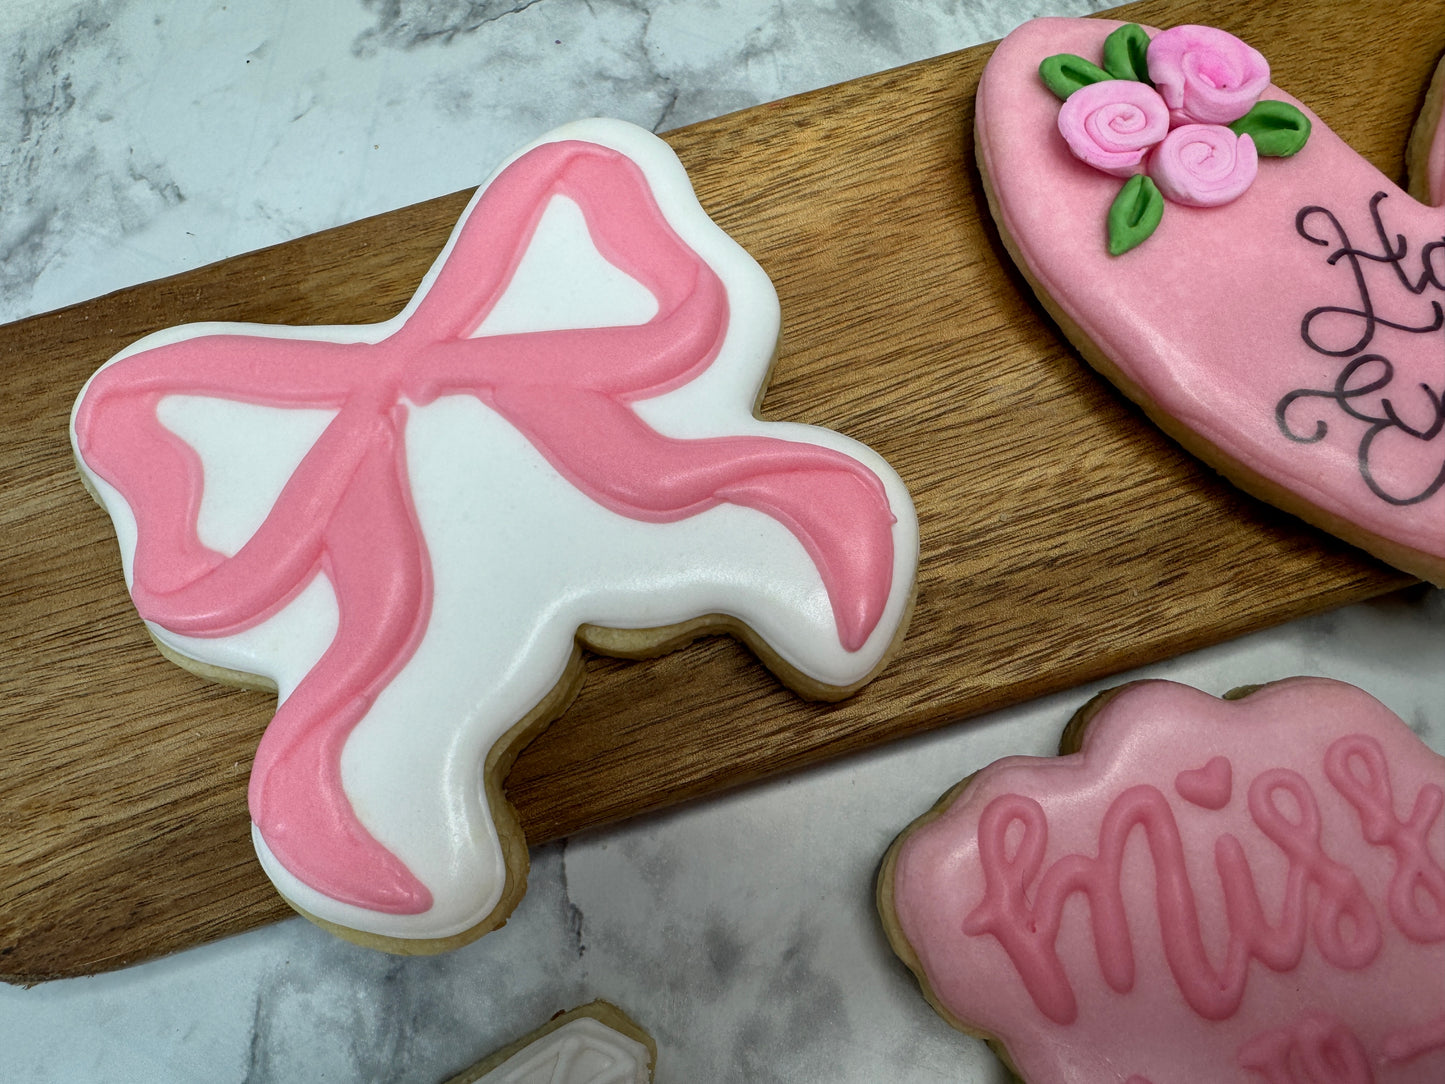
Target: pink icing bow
x: 347, y: 508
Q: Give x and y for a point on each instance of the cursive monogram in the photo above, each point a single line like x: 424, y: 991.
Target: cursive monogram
x: 1321, y: 896
x: 1359, y: 391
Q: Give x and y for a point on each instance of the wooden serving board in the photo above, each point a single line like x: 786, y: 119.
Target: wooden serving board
x: 1063, y: 539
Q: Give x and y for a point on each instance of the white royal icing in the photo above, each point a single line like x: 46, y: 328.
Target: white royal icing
x: 581, y: 1051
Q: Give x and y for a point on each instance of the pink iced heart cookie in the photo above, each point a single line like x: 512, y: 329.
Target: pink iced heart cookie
x: 1212, y: 890
x: 595, y: 1044
x: 408, y: 528
x: 1268, y: 297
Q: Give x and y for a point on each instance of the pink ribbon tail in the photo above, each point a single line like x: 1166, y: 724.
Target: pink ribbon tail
x: 297, y: 798
x: 834, y: 505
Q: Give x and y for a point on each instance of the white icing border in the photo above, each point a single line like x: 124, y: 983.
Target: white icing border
x: 631, y: 1060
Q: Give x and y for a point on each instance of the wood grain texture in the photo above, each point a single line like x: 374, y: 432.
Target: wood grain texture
x: 1063, y: 539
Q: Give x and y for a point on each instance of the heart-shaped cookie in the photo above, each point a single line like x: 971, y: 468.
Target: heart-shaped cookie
x: 1268, y: 297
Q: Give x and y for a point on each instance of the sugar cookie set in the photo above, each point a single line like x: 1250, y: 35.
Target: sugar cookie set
x: 410, y: 531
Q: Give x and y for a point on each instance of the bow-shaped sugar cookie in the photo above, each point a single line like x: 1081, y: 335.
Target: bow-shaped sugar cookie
x: 1267, y: 296
x: 404, y: 526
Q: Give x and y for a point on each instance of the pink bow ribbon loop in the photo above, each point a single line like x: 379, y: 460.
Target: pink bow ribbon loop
x: 347, y: 508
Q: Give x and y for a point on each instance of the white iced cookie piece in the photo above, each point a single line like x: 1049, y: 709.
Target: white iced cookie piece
x: 594, y: 1044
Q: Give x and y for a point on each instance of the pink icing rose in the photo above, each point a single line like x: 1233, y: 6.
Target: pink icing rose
x: 1206, y: 76
x: 1204, y: 165
x: 1112, y: 124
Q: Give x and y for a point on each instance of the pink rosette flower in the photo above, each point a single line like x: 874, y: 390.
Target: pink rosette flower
x: 1112, y: 124
x: 1206, y: 75
x: 1204, y: 165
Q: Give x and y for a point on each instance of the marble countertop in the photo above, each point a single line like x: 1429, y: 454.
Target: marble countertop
x: 141, y: 138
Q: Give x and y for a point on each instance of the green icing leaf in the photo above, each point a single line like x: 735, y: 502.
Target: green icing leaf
x: 1065, y: 73
x: 1125, y: 53
x: 1277, y: 128
x: 1135, y: 214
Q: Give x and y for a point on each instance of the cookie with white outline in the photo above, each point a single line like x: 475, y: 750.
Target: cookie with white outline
x: 1225, y: 891
x: 411, y: 529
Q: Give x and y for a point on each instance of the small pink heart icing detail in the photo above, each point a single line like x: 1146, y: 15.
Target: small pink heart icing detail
x: 1209, y: 786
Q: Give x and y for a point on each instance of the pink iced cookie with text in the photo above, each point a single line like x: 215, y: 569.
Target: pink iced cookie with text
x: 410, y: 529
x: 1212, y: 890
x: 1268, y: 297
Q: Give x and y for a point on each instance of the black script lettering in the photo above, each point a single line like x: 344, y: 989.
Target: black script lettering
x: 1394, y: 254
x: 1365, y: 390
